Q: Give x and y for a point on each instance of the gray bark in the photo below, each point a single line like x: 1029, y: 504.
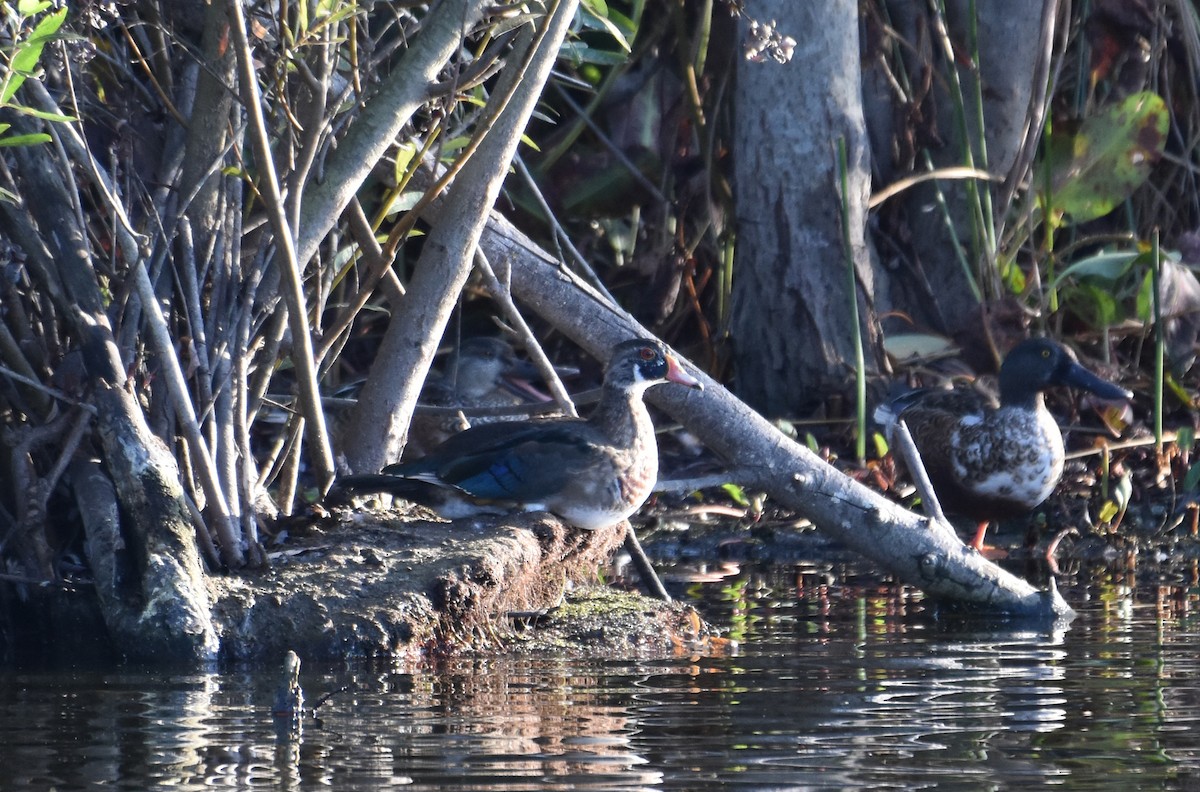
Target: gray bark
x: 791, y: 316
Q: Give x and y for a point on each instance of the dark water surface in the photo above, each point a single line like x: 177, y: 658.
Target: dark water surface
x: 841, y: 682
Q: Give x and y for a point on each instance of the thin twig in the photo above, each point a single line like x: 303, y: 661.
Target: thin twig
x: 916, y: 468
x: 302, y: 356
x: 501, y: 294
x: 54, y: 392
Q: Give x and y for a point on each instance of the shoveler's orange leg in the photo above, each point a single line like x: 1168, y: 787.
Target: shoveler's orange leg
x: 980, y: 530
x: 987, y: 551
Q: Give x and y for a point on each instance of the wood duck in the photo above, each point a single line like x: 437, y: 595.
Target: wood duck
x: 989, y: 461
x: 482, y: 372
x: 592, y: 473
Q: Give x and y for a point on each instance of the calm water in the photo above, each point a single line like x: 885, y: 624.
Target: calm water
x: 840, y: 686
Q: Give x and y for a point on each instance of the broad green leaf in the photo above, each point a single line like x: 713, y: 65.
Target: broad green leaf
x: 28, y: 8
x: 1185, y: 437
x: 1108, y: 266
x: 455, y: 145
x: 579, y: 53
x: 48, y: 25
x: 1107, y: 159
x: 28, y: 52
x: 1095, y: 305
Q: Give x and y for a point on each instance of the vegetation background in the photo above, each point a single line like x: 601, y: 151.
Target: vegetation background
x: 217, y: 215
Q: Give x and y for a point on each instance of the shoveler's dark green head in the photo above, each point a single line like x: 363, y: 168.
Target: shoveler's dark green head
x: 1039, y: 363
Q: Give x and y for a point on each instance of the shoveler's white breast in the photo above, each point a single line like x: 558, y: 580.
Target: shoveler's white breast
x: 1015, y: 455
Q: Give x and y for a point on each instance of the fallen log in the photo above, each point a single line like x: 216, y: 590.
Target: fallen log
x: 923, y: 552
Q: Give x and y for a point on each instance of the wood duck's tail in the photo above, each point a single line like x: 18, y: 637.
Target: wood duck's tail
x: 421, y: 492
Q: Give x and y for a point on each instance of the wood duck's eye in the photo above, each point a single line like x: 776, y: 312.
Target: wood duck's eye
x: 648, y: 354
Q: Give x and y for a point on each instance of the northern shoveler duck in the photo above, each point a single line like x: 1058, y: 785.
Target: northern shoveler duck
x: 989, y: 461
x: 592, y: 473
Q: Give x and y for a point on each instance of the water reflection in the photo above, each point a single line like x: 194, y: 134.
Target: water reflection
x: 842, y: 682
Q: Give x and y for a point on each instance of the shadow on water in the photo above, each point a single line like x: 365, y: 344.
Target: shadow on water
x: 842, y: 681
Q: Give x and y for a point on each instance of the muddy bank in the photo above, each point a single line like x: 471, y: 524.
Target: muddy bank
x: 371, y: 585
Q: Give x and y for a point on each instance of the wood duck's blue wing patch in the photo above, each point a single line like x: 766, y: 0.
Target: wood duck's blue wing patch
x: 523, y: 468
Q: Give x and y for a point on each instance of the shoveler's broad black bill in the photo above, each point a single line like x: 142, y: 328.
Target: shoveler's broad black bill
x: 1079, y: 377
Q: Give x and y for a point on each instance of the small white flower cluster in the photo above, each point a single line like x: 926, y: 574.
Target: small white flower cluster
x: 765, y: 40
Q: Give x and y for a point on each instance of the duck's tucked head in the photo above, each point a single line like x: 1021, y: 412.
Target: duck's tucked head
x: 479, y: 366
x: 1039, y: 363
x: 640, y: 363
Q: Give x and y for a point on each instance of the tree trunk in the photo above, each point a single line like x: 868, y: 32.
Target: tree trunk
x: 792, y: 311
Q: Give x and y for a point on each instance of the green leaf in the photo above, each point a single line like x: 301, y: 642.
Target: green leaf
x: 1013, y: 277
x: 1107, y: 159
x: 10, y: 87
x: 25, y: 140
x: 579, y: 53
x: 1192, y: 478
x: 1145, y: 299
x: 404, y: 156
x: 736, y: 494
x: 1185, y: 437
x: 1107, y: 266
x: 598, y: 11
x: 881, y: 445
x: 29, y: 51
x: 455, y: 145
x: 48, y: 26
x: 1094, y: 304
x: 48, y: 116
x: 1123, y: 491
x: 28, y: 8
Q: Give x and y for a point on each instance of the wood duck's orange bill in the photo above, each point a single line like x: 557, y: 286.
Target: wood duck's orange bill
x: 675, y: 373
